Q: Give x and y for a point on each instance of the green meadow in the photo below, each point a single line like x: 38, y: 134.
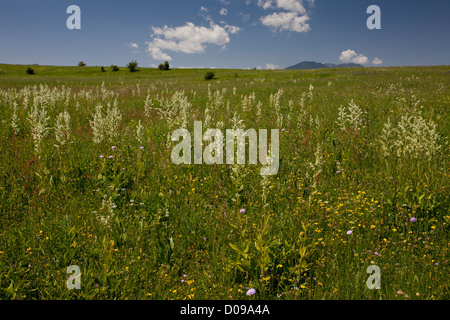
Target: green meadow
x: 86, y: 179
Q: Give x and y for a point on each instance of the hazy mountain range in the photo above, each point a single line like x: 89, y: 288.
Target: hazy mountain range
x: 319, y: 65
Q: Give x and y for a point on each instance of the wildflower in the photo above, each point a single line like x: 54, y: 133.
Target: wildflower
x: 102, y: 157
x: 413, y: 219
x: 62, y: 128
x: 251, y: 292
x: 113, y: 147
x: 111, y: 157
x: 376, y: 253
x: 142, y: 148
x: 400, y: 292
x: 242, y: 211
x: 349, y: 231
x: 337, y: 172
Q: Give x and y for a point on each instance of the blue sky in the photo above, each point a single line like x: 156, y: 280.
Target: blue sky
x: 225, y: 33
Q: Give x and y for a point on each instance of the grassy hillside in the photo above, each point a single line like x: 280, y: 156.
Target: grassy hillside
x: 86, y: 179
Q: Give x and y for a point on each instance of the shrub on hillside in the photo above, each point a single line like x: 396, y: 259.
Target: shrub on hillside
x: 209, y: 75
x: 132, y: 66
x: 164, y: 66
x: 30, y: 70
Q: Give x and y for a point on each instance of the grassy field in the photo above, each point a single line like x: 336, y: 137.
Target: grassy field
x: 86, y: 179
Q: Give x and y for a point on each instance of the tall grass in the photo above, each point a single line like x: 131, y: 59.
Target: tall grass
x: 87, y: 180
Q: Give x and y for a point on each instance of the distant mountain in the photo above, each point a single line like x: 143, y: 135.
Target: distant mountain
x: 318, y: 65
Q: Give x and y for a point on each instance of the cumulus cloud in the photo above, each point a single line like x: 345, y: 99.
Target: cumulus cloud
x: 294, y: 18
x: 233, y: 29
x: 266, y: 4
x: 377, y: 61
x: 288, y: 5
x: 351, y: 56
x: 157, y: 53
x: 289, y: 21
x: 187, y: 39
x: 223, y: 11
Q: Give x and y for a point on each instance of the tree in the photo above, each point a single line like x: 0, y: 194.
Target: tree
x: 103, y: 69
x: 30, y: 70
x: 81, y: 64
x: 132, y: 66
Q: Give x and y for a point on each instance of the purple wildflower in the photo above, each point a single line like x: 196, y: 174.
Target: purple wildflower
x: 251, y: 292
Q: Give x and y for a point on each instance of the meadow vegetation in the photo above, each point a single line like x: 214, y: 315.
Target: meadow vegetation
x: 86, y: 179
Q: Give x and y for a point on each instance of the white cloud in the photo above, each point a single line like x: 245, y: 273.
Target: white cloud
x: 294, y: 18
x: 133, y: 45
x: 352, y: 56
x: 271, y: 66
x: 157, y: 53
x: 289, y: 21
x: 224, y: 2
x: 291, y: 5
x: 288, y: 5
x: 266, y: 4
x: 232, y: 29
x: 377, y: 61
x: 223, y: 11
x: 203, y: 9
x: 187, y: 39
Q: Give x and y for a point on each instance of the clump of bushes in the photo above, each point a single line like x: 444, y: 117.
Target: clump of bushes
x: 164, y: 66
x: 132, y: 66
x: 81, y: 64
x: 114, y: 67
x: 30, y: 70
x: 209, y: 75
